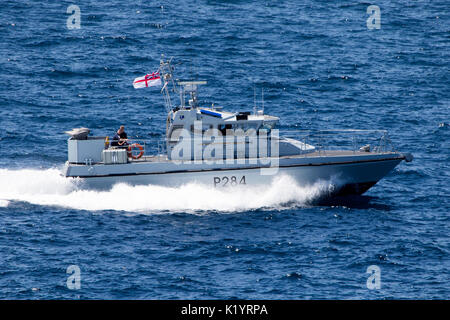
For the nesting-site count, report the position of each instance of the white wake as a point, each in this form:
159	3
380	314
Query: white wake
48	187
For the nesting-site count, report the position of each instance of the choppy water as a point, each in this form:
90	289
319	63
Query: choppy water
320	67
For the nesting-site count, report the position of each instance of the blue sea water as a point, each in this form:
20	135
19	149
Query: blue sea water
320	67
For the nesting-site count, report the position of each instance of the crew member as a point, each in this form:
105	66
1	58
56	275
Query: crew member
120	138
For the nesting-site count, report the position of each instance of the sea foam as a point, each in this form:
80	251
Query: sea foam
48	187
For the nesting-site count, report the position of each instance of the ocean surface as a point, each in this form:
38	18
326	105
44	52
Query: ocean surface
320	66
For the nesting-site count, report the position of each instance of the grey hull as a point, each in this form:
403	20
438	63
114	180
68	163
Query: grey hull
349	172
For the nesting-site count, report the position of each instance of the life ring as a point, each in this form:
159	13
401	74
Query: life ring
135	145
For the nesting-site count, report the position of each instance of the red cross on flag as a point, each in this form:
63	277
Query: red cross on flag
149	80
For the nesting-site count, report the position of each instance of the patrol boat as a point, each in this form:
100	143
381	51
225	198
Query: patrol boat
223	149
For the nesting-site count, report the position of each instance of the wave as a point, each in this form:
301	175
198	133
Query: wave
48	187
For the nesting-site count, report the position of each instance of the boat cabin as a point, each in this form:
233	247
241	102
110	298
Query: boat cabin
210	124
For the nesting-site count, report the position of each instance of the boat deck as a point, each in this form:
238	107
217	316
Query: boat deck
315	154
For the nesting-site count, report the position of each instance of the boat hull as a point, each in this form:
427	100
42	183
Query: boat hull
347	174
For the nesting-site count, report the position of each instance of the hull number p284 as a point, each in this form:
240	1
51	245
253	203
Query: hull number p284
228	181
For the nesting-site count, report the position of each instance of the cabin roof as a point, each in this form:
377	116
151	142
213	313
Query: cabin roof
233	116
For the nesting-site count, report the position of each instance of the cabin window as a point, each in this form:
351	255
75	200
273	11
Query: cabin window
224	127
204	128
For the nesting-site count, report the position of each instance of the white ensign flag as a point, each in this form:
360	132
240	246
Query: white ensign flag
149	80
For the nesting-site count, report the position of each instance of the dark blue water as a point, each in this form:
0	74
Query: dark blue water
320	67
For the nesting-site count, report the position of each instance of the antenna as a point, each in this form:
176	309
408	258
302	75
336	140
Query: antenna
191	88
262	97
254	100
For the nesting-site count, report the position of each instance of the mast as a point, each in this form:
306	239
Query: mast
166	70
191	87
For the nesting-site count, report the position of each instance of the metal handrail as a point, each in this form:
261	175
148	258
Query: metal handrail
378	139
150	146
323	140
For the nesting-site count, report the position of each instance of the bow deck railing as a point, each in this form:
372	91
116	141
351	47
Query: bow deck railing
377	141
